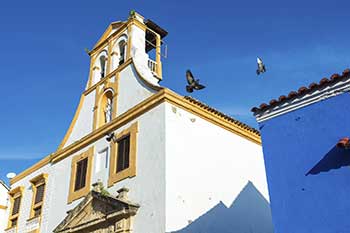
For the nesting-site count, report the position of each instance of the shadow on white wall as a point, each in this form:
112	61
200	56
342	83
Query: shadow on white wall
249	213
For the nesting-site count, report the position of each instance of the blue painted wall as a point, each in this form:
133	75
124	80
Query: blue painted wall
308	177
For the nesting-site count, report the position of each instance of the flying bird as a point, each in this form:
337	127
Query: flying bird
261	66
193	84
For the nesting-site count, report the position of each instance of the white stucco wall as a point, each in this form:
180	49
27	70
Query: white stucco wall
25	207
84	122
205	164
3	202
146	189
131	90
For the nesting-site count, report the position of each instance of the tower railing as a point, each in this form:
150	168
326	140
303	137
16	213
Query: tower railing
152	65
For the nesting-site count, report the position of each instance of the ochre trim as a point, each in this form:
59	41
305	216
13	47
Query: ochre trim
74	195
156	99
37	181
91	71
117	33
108	76
2	207
14	193
31	169
164	95
104	35
181	102
129	42
99	95
72	124
148	84
109	60
114	176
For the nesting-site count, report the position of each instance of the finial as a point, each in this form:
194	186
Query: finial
97	187
87	50
132	14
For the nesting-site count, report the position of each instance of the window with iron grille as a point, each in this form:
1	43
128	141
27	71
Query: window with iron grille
16	205
37	211
39	193
80	175
123	153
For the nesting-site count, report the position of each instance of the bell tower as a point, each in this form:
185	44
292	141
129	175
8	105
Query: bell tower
138	40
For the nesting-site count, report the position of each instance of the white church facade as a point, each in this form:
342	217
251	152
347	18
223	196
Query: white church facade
3	205
141	158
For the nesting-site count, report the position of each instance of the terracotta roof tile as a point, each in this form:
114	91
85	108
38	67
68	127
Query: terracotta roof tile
222	115
273	102
302	91
292	94
335	76
313	85
346	72
324	81
344	143
282	98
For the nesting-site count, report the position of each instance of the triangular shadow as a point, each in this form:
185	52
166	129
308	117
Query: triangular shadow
334	159
250	212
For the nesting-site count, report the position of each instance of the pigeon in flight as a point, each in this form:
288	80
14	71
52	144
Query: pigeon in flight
261	66
192	83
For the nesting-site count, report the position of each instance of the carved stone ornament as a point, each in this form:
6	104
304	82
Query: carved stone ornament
99	213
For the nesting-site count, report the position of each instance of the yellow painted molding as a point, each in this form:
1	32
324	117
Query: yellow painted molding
160	97
14	193
158	56
91	71
42	177
104	42
2	207
31	169
72	124
109	61
148	84
116	123
104	35
74	195
163	95
114	176
37	181
100	97
129	43
181	102
108	76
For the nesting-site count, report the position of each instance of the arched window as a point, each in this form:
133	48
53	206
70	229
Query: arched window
103	65
100	66
122	48
119	51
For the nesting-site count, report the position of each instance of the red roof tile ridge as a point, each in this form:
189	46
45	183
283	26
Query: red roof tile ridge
302	91
221	114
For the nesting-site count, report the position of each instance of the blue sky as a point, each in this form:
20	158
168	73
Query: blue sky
44	67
